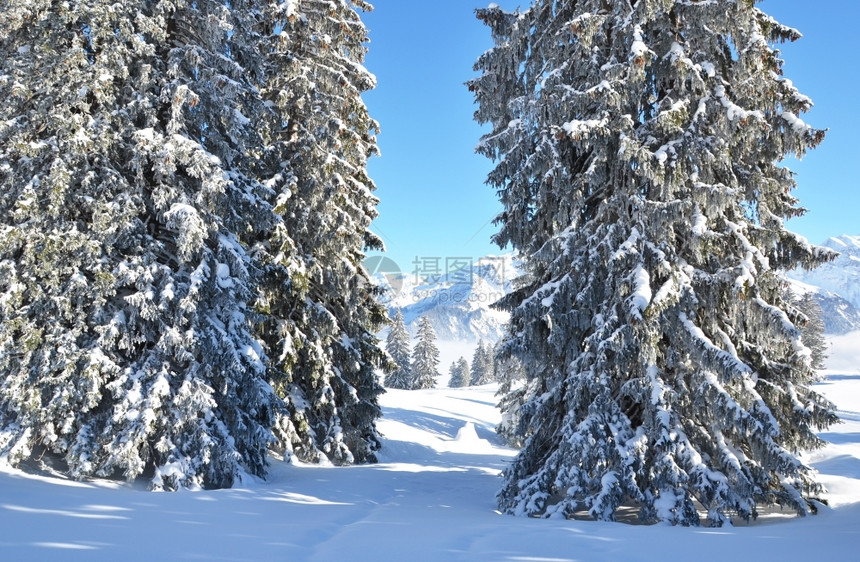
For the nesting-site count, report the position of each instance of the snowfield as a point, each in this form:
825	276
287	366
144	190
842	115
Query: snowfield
430	498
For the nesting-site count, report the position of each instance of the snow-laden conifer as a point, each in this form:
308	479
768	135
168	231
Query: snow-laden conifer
397	346
425	357
184	208
490	355
125	199
460	375
322	311
638	148
482	365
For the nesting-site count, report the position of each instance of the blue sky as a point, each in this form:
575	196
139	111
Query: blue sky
434	202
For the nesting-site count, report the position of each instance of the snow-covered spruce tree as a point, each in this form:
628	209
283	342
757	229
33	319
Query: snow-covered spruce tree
125	198
482	365
490	355
638	147
459	373
812	332
425	357
490	360
465	371
397	346
321	309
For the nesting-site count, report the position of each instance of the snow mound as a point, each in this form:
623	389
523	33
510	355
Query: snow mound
467	434
467	441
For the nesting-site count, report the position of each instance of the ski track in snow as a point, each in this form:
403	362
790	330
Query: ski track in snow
430	498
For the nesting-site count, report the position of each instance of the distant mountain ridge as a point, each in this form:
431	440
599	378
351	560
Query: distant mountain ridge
457	303
835	285
842	275
839	315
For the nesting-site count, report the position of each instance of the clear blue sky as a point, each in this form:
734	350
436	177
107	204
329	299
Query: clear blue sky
434	202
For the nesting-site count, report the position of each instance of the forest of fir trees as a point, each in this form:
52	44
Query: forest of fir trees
184	208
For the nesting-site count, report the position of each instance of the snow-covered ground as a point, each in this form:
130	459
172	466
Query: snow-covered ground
431	498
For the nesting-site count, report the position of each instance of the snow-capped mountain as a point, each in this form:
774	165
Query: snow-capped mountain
457	303
835	285
839	315
842	275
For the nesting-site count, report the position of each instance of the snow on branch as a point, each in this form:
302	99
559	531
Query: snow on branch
716	356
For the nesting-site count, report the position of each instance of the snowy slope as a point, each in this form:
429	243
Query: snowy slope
431	498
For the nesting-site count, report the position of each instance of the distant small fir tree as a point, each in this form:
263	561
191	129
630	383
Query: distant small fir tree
460	374
490	360
425	357
507	369
482	365
397	345
513	388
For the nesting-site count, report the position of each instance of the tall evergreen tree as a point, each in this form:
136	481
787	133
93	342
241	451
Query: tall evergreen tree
125	314
183	205
638	148
460	376
322	310
425	357
397	346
